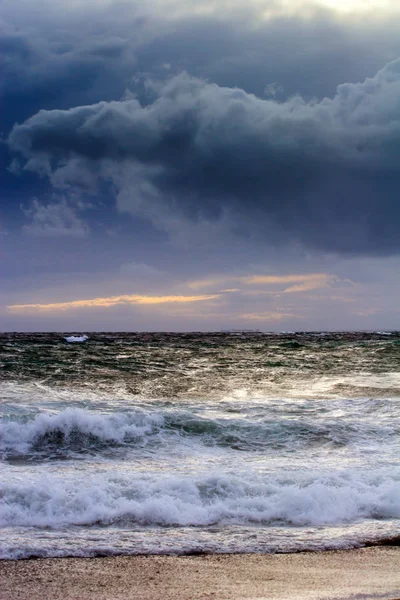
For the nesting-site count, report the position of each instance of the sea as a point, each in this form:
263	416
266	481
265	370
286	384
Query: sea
163	443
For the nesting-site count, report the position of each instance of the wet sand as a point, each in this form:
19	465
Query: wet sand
356	574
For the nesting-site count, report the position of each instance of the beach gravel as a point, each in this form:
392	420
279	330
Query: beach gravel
355	574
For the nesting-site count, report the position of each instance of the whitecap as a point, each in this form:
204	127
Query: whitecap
76	338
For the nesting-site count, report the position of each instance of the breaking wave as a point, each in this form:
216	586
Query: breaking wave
201	501
76	430
159	443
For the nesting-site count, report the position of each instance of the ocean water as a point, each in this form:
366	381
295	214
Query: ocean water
186	443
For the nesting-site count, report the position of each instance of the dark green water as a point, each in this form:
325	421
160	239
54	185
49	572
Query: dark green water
198	442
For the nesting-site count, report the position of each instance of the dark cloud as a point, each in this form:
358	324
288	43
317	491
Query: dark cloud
324	173
61	55
194	177
58	56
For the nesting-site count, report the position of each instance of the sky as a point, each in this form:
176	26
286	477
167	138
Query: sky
180	165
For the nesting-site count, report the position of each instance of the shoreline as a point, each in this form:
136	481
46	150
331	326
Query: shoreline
364	573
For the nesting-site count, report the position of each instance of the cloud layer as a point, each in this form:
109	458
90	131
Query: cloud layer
111	301
171	148
323	173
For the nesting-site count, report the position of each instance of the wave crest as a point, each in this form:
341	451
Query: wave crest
76	429
193	502
79	431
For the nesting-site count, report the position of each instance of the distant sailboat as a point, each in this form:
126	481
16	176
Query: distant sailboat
73	339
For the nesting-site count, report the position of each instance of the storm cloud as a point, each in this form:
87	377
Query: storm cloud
152	146
325	173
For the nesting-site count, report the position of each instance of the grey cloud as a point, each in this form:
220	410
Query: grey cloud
60	55
54	220
57	55
324	173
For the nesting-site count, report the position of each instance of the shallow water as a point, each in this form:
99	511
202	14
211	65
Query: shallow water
152	443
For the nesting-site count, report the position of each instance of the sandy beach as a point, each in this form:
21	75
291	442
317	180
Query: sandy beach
356	574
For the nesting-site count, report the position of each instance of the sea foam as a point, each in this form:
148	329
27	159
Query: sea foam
75	428
250	430
218	499
76	338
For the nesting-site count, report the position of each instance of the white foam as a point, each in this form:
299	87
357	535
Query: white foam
20	437
76	338
199	501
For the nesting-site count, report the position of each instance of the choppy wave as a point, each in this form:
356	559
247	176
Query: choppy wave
177	443
75	430
208	365
172	501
